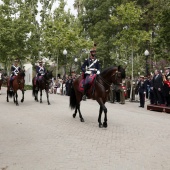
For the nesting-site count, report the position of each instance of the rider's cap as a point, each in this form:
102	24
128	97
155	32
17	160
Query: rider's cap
141	76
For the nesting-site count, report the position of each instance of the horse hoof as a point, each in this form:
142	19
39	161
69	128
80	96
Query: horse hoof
82	120
74	115
104	124
17	104
49	104
100	126
22	100
40	101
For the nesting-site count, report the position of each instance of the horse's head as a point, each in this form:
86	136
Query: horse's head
119	75
113	75
48	76
21	74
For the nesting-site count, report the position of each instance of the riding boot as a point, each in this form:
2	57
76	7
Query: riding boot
85	92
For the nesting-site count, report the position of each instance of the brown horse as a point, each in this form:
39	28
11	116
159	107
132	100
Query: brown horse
99	91
17	84
43	84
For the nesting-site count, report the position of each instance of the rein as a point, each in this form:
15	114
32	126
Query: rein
105	81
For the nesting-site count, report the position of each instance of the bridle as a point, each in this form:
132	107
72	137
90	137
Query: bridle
107	82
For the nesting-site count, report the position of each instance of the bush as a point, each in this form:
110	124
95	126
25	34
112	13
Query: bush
28	87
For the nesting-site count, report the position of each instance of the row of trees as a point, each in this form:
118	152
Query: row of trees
122	30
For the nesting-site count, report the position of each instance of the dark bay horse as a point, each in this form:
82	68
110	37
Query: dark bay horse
44	84
17	84
99	91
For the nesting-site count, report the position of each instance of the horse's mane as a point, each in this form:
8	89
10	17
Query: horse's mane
22	73
120	69
107	69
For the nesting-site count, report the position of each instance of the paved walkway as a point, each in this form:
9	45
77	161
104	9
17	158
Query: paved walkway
36	136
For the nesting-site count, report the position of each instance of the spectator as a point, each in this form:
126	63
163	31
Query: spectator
142	91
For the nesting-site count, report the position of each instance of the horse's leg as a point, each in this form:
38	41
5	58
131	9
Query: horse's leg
7	99
22	100
99	118
36	95
80	115
40	95
105	117
102	108
0	89
16	94
14	97
74	114
47	96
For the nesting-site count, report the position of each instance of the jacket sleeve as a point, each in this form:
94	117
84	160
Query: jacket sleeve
98	65
83	67
37	69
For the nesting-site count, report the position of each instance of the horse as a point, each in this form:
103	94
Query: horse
98	91
17	84
43	84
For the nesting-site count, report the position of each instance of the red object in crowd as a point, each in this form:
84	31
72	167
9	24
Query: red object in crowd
125	91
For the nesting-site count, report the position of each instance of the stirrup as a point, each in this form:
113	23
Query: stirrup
84	97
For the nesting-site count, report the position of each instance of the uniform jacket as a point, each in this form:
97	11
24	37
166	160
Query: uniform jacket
142	86
15	70
40	70
88	62
158	81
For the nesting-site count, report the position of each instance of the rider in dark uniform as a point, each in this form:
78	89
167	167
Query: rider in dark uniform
90	66
15	69
40	70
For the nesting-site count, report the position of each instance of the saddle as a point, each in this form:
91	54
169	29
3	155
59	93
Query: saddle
91	83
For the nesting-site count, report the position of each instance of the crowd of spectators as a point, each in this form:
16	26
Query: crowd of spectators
155	88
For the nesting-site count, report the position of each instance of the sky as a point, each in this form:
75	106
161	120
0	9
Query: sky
69	5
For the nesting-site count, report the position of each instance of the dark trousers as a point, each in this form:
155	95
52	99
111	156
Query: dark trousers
158	97
142	99
151	97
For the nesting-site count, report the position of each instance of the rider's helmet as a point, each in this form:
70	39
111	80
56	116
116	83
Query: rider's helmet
93	52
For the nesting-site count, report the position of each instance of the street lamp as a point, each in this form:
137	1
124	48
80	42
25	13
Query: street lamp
65	53
146	53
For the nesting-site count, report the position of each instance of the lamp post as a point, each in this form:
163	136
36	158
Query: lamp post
65	53
75	60
146	53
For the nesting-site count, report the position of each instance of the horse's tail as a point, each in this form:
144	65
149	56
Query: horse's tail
10	93
73	100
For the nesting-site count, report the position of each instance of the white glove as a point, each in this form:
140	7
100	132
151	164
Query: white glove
98	72
88	72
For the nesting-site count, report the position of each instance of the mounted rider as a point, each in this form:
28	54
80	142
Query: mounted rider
15	69
40	70
90	67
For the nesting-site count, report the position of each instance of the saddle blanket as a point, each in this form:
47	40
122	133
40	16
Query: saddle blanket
90	80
